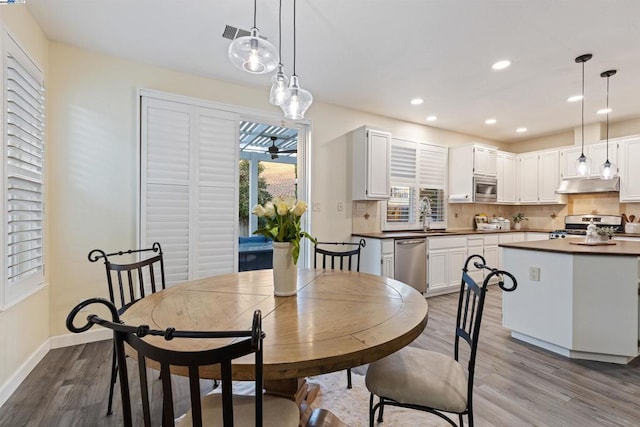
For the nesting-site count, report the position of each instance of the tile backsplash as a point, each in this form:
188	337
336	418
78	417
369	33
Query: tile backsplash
460	216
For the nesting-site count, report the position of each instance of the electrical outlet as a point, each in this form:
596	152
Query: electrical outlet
361	208
534	274
316	206
340	206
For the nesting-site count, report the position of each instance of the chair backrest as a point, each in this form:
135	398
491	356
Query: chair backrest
338	259
470	308
128	282
240	343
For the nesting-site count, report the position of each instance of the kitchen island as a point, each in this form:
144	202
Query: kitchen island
575	300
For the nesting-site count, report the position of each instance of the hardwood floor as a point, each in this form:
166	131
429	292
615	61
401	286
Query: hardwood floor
516	384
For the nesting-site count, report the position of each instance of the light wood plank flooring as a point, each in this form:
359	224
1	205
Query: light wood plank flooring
516	384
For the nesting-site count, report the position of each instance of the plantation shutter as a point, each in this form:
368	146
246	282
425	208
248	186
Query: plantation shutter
23	172
188	187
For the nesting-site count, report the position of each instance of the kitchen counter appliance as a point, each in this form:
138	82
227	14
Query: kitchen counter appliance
576	225
410	263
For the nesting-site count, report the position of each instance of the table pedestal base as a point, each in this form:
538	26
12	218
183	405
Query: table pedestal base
303	393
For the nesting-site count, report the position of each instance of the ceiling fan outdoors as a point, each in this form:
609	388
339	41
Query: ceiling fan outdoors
274	150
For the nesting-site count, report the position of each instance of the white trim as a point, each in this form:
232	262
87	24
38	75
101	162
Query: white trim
68	340
34	289
12	384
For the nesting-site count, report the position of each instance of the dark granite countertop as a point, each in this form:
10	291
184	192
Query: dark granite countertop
437	233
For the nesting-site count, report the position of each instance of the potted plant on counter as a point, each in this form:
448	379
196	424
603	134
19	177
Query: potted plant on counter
605	233
517	220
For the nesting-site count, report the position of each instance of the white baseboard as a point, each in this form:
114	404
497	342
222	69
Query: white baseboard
67	340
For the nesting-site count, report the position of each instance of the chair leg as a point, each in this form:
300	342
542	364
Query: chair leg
381	413
114	374
372	412
460	420
349	378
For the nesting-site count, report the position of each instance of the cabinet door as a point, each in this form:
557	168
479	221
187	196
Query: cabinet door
387	266
438	269
457	257
378	157
548	176
568	157
528	174
629	171
491	158
599	155
506	173
484	161
491	256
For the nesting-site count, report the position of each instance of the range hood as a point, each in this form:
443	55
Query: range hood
588	185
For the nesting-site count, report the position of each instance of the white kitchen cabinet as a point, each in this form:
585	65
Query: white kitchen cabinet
568	157
596	152
504	238
538	177
370	169
531	236
465	161
506	174
629	159
475	246
377	256
484	160
445	259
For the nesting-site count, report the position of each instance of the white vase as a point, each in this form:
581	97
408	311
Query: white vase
285	272
517	226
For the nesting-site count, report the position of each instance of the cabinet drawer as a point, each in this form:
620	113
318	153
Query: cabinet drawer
492	240
473	242
387	246
446	242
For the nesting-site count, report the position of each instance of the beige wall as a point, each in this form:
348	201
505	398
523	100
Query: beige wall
24	326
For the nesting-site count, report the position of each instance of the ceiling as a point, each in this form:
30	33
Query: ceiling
376	55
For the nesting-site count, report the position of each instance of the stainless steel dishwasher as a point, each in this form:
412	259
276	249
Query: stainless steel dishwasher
410	262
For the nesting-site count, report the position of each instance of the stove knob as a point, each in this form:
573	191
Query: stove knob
563	236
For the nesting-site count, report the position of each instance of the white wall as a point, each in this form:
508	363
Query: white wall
24	327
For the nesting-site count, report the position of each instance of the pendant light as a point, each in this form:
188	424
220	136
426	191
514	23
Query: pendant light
296	100
607	170
252	53
583	163
279	81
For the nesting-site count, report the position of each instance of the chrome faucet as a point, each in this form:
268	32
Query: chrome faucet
425	210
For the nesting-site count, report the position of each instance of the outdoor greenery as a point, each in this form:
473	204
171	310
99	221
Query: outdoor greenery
263	195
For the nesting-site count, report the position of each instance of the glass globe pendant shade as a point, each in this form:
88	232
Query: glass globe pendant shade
253	54
296	100
583	165
279	83
607	170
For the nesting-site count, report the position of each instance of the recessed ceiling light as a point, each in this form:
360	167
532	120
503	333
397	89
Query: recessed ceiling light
520	130
604	111
501	65
490	121
432	118
574	98
417	101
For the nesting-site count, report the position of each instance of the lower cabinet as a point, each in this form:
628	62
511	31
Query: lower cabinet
377	256
445	259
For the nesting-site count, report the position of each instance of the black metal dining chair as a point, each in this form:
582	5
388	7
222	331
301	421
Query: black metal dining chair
127	283
334	259
430	381
219	409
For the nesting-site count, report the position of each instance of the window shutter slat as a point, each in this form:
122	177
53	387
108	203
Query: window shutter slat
24	155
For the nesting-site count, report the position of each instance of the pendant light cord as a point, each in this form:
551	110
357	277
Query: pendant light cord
255	12
607	118
582	136
280	32
294	37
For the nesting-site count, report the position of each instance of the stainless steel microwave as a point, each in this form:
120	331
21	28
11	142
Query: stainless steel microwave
485	189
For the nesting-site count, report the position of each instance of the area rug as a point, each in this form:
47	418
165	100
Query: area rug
352	405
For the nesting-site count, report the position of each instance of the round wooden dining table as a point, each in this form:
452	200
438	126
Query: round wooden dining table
337	320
